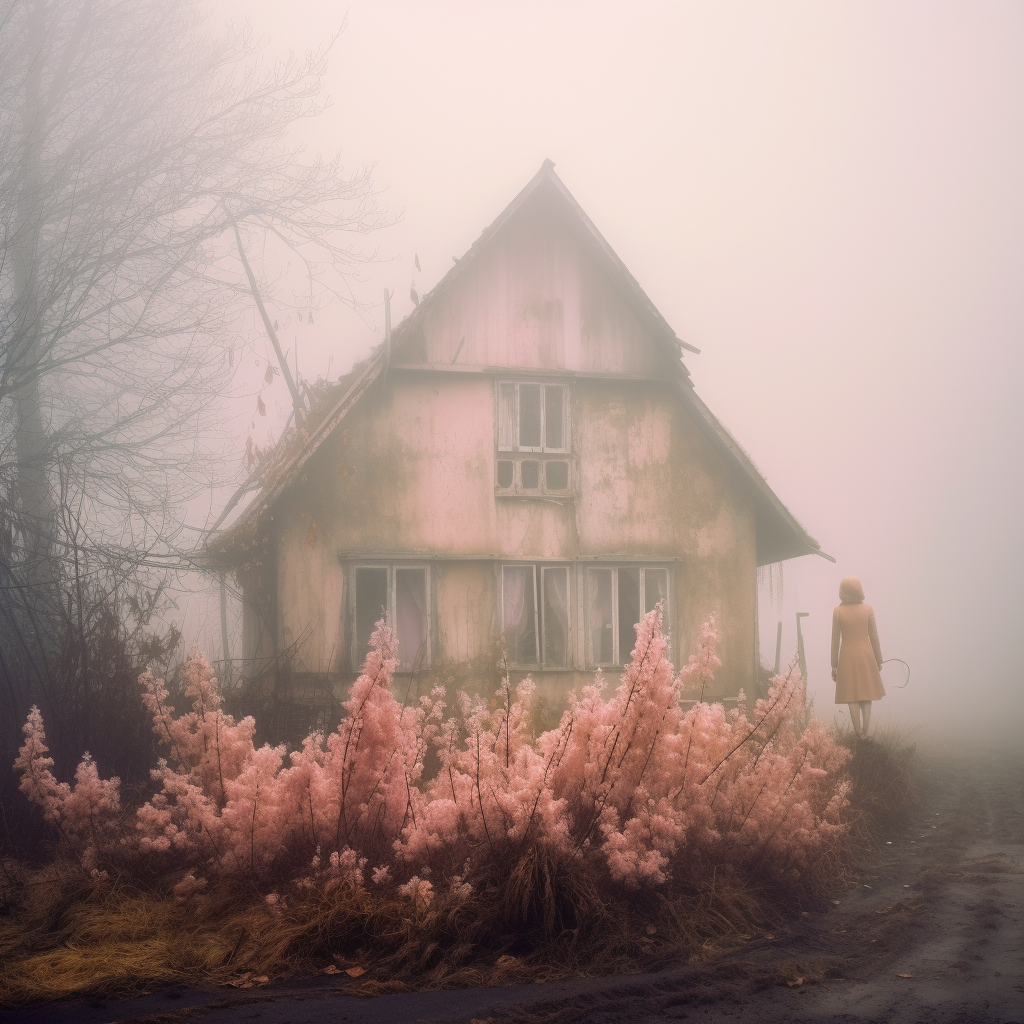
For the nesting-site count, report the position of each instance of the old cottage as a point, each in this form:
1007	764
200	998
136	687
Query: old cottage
524	457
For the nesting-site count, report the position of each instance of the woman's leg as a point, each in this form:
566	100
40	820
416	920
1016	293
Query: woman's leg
865	712
855	716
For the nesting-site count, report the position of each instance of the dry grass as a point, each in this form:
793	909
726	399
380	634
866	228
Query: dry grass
72	936
884	794
532	917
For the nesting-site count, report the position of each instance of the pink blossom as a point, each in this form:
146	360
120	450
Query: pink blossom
640	783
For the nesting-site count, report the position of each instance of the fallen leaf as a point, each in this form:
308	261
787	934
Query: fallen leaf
247	980
332	969
355	972
904	975
796	982
835	903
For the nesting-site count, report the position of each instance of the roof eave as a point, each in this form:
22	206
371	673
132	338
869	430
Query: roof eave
288	473
795	541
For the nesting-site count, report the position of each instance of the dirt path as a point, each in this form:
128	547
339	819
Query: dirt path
933	932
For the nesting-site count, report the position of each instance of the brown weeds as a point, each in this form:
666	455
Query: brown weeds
883	792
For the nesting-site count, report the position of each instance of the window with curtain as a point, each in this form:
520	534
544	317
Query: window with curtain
617	598
535	615
401	594
519	613
532	419
554	626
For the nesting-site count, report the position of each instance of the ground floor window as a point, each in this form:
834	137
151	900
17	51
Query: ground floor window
535	615
401	594
617	598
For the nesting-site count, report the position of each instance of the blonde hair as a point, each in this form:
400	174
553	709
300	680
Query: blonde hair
850	591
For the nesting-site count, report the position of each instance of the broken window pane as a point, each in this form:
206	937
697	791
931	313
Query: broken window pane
519	613
556	476
529	415
507	417
655	589
505	473
629	611
554	417
371	605
411	618
529	471
556	617
599	616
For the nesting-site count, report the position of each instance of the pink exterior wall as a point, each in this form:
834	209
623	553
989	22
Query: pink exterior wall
412	477
410	474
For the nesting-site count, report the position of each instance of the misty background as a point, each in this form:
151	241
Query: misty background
825	199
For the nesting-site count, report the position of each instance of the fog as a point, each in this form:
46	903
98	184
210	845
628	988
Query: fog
825	199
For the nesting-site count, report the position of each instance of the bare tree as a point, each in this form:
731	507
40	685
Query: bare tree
144	172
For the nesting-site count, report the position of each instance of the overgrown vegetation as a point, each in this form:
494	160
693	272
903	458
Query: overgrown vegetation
883	787
631	835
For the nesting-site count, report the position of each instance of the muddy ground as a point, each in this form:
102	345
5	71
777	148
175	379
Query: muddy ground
932	931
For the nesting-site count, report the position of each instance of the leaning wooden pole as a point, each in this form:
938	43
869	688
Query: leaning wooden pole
271	333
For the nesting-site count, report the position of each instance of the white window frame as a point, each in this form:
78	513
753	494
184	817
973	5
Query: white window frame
619	659
536	610
359	656
544	569
543	449
537	572
517	455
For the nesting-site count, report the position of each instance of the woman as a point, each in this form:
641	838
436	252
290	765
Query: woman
856	655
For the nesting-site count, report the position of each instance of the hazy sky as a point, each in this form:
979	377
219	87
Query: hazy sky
825	198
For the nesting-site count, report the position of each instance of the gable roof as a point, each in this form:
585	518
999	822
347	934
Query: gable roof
779	535
545	181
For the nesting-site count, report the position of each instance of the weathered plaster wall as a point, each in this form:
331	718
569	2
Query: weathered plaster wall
310	591
466	608
657	489
411	476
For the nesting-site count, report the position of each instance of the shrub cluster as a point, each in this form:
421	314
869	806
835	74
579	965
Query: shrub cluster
635	785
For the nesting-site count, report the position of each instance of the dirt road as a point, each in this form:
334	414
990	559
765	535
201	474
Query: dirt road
932	932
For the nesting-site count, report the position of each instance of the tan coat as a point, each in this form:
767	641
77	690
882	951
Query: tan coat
856	654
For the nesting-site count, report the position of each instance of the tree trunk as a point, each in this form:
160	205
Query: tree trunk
32	489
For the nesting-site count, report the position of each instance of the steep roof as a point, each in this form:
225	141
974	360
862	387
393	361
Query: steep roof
546	182
779	535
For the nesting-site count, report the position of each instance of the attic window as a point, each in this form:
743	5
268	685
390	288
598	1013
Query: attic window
532	419
401	595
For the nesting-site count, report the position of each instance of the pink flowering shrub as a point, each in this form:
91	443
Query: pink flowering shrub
642	785
87	813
